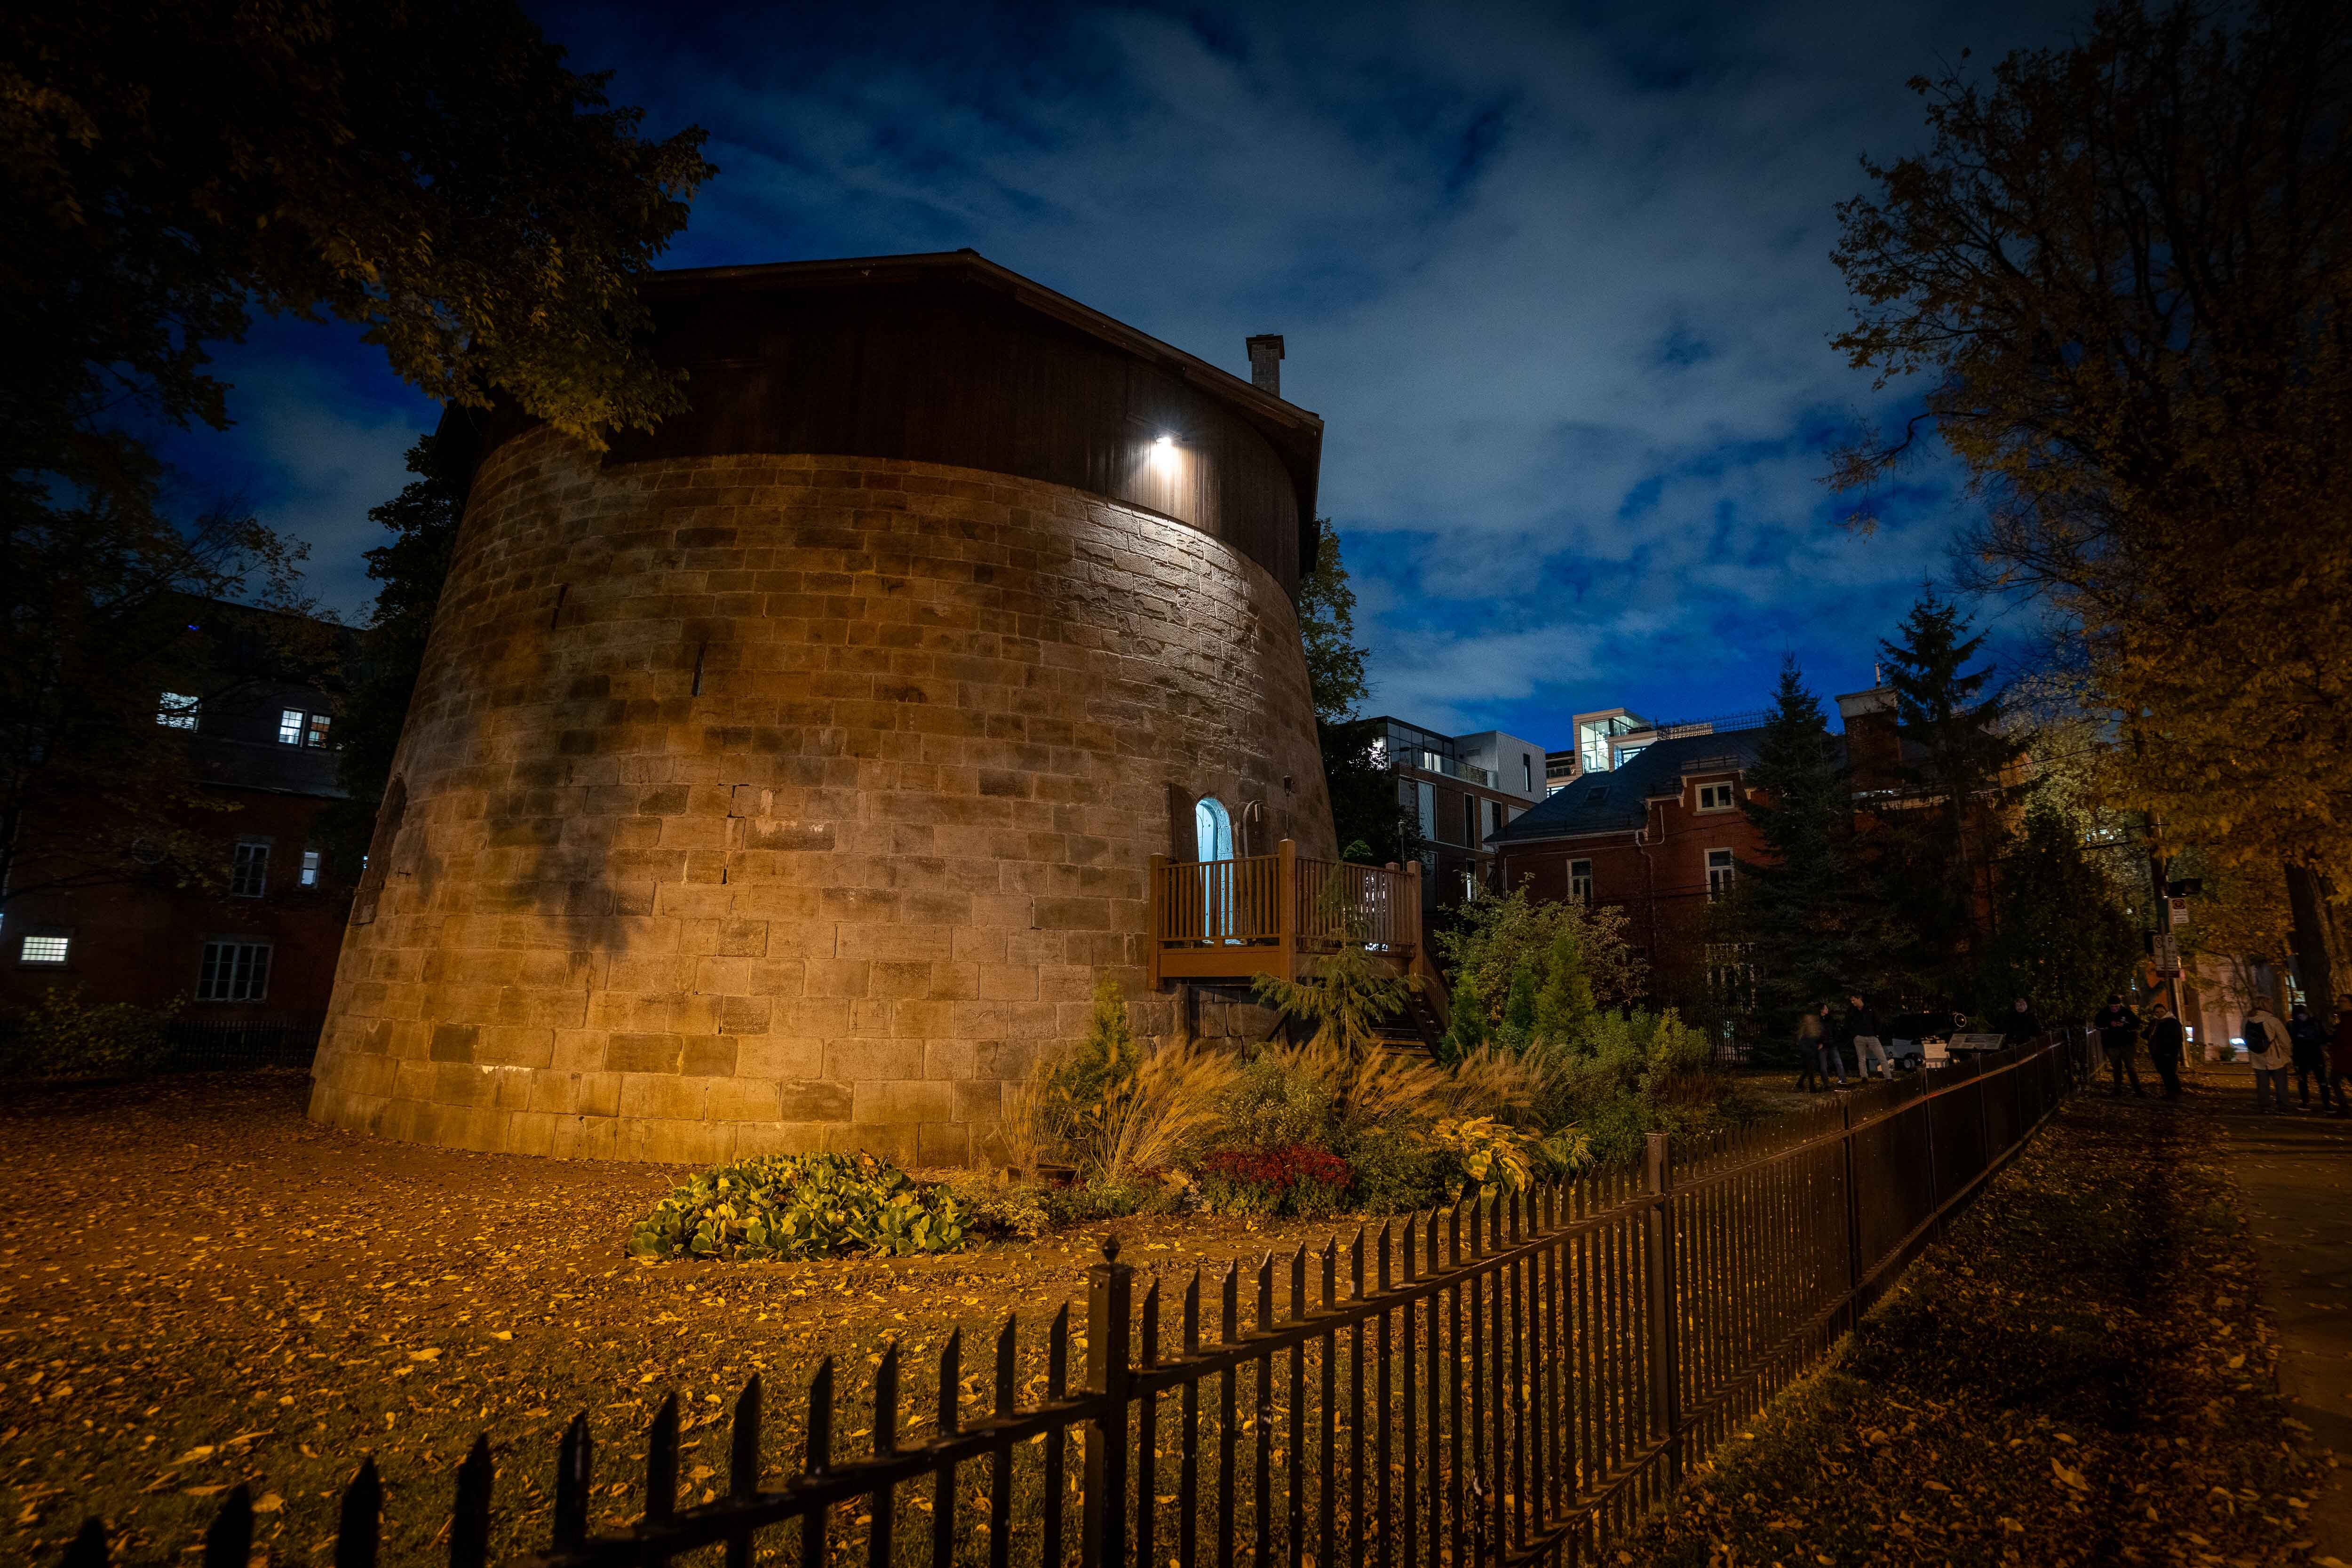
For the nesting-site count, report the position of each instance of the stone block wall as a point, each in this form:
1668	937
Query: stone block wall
791	803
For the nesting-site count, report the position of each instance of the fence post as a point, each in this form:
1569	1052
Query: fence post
1102	1536
1853	1221
1665	1382
1285	905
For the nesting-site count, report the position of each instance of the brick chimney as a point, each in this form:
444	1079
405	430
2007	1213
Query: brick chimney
1266	363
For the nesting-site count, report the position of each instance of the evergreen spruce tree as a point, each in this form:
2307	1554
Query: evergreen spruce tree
1804	912
1563	1004
1935	847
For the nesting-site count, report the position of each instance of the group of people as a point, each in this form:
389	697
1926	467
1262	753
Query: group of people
2274	1049
1823	1042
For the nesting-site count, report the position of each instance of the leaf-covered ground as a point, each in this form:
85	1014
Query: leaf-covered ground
198	1289
2079	1373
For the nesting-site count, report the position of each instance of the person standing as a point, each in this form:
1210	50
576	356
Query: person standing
2118	1028
1812	1071
2307	1043
2165	1047
2024	1028
2339	1053
2267	1048
1862	1028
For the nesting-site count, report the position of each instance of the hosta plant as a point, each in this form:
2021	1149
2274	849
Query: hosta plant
801	1205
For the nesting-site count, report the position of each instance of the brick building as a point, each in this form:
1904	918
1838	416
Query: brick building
1659	835
1456	792
261	947
786	778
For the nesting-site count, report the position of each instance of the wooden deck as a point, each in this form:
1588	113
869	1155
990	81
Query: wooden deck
1228	921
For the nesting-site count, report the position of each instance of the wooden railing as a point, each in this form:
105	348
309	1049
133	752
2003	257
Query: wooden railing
1231	920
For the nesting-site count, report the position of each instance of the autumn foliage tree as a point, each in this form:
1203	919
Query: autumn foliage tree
2122	267
426	171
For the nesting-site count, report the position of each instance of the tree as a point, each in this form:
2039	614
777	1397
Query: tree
425	170
1369	822
2122	263
423	519
2065	943
1937	836
1804	910
1509	954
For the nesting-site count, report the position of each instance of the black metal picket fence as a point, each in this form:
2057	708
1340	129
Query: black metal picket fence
237	1044
1512	1381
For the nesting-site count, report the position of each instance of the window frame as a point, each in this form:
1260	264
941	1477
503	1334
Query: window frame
1728	866
178	711
221	985
1580	894
1729	797
64	959
252	852
291	724
313	868
315	728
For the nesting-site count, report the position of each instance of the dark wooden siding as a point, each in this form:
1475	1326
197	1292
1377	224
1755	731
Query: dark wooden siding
940	369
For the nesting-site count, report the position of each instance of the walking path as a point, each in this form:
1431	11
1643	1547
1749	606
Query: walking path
2296	1173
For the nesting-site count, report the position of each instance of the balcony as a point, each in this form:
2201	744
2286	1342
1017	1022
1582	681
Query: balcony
1230	921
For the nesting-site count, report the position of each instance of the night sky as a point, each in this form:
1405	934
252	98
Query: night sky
1557	281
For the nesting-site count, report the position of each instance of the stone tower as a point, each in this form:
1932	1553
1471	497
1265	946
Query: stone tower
784	780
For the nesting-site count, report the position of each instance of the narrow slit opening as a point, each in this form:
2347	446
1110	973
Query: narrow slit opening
700	652
563	592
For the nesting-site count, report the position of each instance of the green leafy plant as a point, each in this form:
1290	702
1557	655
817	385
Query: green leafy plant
66	1035
1493	1155
801	1205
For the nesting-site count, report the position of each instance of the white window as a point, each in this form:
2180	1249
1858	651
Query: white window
1527	765
249	873
176	711
316	734
44	950
1715	797
237	969
1469	886
1721	868
289	726
311	863
1579	881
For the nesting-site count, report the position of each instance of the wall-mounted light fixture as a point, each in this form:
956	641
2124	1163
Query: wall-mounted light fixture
1164	456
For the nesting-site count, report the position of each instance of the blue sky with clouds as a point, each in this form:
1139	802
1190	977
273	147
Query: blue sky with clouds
1557	279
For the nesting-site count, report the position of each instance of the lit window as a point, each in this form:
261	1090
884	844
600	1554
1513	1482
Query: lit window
311	861
44	950
1579	881
1720	870
249	874
290	726
1715	797
235	971
176	711
316	734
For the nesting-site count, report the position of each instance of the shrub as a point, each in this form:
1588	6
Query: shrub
1290	1180
993	1205
63	1036
801	1205
1398	1172
1494	1156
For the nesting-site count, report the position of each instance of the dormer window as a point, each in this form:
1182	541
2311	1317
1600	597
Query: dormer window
1715	797
299	727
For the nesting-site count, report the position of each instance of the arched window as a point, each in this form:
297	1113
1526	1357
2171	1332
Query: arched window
1212	834
1212	828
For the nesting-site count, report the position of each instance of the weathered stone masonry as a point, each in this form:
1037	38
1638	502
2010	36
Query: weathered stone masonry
842	896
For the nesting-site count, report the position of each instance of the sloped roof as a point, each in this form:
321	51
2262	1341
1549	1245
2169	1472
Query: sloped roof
1615	802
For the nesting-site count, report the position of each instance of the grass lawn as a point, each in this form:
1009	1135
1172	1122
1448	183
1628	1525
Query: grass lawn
199	1287
2077	1374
